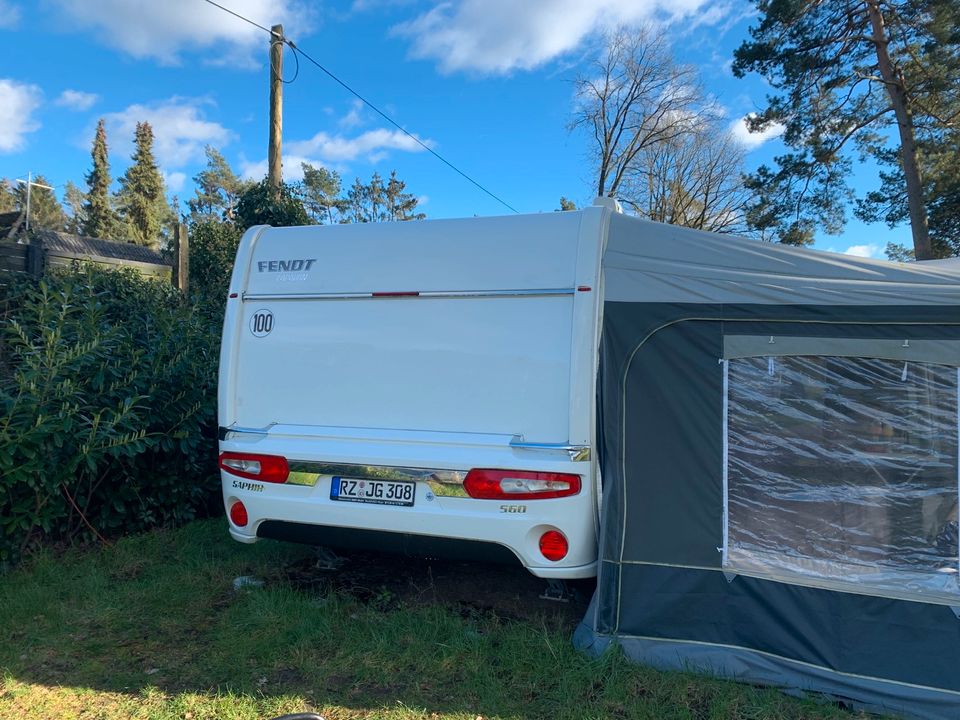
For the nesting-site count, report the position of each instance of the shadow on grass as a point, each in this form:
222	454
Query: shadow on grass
153	627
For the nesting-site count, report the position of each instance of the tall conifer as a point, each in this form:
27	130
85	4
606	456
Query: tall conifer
100	220
141	198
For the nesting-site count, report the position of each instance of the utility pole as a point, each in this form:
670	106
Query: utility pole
274	161
30	183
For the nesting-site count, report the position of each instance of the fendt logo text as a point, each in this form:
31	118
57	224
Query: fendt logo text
285	265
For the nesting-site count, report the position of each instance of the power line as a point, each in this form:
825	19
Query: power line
267	30
298	51
296	73
402	129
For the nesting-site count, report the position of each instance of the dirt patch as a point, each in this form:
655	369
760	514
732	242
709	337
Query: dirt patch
474	590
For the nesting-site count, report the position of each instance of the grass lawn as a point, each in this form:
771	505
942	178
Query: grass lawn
152	628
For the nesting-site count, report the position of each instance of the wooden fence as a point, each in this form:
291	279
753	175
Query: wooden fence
14	257
47	250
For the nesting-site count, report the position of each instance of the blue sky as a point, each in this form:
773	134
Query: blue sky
486	83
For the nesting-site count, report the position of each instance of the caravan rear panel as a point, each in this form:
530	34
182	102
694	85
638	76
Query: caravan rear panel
394	359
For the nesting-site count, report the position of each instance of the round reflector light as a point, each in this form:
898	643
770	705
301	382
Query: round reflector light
553	545
238	515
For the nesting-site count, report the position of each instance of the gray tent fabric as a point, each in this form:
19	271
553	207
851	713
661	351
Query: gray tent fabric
650	262
862	386
953	262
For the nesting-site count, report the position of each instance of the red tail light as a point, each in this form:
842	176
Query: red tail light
519	485
238	514
553	545
266	468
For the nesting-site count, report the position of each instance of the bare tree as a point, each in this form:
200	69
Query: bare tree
637	97
694	180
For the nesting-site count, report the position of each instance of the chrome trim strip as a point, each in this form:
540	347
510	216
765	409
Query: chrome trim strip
250	431
546	292
577	453
497	293
443	483
379	435
304	296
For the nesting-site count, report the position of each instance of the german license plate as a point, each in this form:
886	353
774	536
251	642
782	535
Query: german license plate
378	492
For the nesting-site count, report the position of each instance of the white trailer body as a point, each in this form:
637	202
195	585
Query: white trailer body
426	387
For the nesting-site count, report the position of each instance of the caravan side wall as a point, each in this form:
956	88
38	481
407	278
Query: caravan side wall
432	347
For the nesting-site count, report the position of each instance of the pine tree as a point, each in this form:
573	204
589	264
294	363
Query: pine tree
141	198
218	189
933	67
872	76
75	200
376	202
100	220
400	205
46	213
321	193
8	201
357	210
377	199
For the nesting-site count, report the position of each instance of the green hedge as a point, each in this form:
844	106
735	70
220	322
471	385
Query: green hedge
213	247
107	407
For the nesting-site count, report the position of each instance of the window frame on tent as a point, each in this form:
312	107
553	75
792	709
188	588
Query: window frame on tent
797	565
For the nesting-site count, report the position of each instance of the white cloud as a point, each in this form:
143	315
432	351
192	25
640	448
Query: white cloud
752	140
369	145
292	168
714	14
379	5
18	101
258	170
9	15
324	149
353	116
865	251
179	128
161	30
497	36
77	100
174	181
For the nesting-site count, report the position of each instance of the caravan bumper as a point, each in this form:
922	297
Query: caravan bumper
435	526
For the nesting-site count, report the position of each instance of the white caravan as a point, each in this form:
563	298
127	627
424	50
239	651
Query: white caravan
424	387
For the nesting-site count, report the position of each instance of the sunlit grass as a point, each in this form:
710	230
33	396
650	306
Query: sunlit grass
152	628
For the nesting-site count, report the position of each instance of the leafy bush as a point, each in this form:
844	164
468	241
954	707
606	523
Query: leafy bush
107	407
213	247
263	204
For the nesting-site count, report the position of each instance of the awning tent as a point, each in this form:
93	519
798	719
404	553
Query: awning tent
779	454
953	262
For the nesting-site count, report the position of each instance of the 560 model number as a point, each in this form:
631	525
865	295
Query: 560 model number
513	508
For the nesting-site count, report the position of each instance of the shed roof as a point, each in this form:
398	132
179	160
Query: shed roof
77	245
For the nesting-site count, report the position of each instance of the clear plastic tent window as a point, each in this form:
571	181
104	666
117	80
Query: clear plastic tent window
843	471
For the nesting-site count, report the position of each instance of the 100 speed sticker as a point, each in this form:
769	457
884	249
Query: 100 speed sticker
261	323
